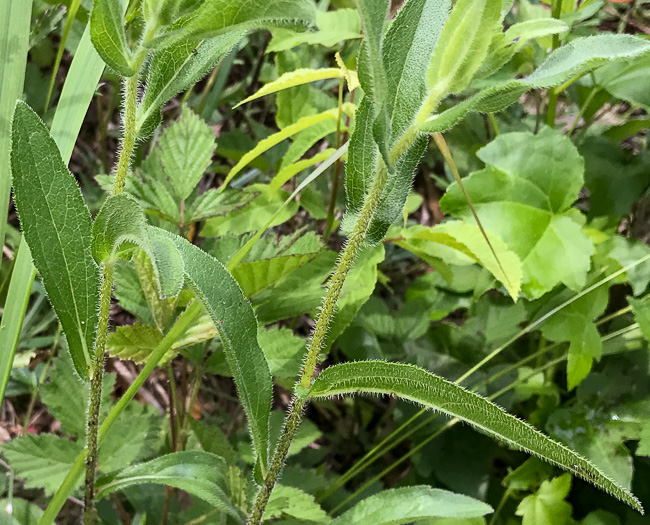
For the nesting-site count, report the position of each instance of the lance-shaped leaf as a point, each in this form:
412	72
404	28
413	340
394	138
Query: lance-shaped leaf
434	392
121	220
409	43
216	17
174	70
199	473
571	60
108	36
295	78
235	321
372	73
57	228
409	504
186	152
463	45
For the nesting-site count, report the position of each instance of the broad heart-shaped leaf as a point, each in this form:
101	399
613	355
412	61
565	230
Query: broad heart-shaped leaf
57	228
547	505
215	17
294	503
576	58
173	70
463	44
199	473
121	220
533	189
418	385
108	36
464	240
409	504
409	43
235	321
42	460
186	151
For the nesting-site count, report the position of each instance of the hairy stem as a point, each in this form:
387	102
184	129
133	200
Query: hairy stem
292	423
97	374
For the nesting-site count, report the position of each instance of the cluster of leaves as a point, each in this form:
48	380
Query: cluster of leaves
525	260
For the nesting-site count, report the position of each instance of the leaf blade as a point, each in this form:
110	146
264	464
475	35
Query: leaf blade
427	389
108	36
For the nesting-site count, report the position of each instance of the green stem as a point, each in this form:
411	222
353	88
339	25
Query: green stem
594	91
73	476
97	374
352	248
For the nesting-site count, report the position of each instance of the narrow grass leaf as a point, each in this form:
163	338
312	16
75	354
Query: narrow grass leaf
108	36
574	59
57	227
434	392
235	321
409	504
291	79
199	473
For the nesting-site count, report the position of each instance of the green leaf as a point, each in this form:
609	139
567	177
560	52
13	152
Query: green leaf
213	440
215	17
372	73
547	505
409	43
333	27
576	58
433	244
17	511
641	311
186	152
534	188
235	321
162	310
292	502
121	220
463	45
199	473
283	351
275	139
213	203
137	341
408	504
416	384
43	460
625	80
57	228
174	70
128	291
294	78
108	36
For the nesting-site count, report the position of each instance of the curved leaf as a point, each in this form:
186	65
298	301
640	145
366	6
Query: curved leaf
573	59
108	36
409	504
434	392
235	321
57	228
199	473
121	220
216	17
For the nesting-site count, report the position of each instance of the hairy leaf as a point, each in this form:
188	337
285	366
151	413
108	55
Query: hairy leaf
57	228
409	504
415	384
186	151
534	188
213	203
409	43
463	45
215	17
333	27
235	321
199	473
108	36
175	69
293	502
576	58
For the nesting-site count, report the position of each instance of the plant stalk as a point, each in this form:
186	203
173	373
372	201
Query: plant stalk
352	248
97	374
